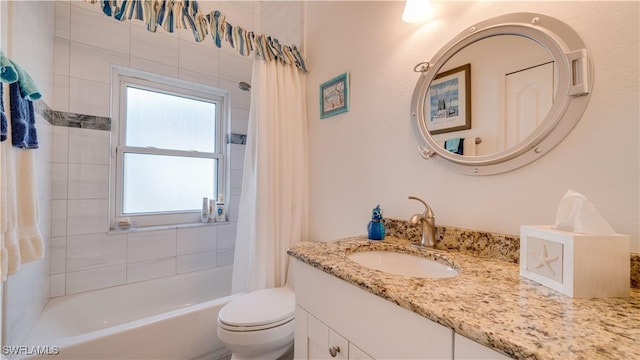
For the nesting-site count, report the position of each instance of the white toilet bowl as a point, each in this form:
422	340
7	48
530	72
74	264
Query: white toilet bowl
259	325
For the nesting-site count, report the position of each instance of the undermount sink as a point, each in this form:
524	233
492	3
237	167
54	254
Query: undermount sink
403	264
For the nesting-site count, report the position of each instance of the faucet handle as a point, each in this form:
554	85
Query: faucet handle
428	212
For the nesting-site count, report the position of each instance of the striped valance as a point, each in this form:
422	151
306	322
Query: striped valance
185	14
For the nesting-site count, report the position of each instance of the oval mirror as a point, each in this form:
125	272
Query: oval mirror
501	94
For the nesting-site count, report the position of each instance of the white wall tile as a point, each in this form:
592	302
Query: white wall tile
89	146
63	16
239	99
57	285
94	63
233	208
89	97
93	28
200	261
151	269
197	239
95	251
240	119
227	236
88	181
199	58
200	78
159	46
87	216
58	218
147	245
60	150
236	67
236	161
61	56
225	257
59	180
58	264
86	280
60	93
235	187
154	67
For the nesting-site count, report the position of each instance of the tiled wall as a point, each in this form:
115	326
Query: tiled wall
30	44
84	254
73	160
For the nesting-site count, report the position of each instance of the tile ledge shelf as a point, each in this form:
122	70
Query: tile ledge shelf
73	120
480	243
134	229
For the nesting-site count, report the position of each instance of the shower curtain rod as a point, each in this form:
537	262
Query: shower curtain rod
186	14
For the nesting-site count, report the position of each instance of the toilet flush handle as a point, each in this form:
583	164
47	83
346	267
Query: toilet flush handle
334	350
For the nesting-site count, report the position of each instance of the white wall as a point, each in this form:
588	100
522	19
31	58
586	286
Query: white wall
368	156
87	43
30	44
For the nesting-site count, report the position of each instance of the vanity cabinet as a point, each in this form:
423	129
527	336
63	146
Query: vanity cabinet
333	315
331	312
466	349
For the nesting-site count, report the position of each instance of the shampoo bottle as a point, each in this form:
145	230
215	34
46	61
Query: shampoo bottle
220	213
204	215
212	210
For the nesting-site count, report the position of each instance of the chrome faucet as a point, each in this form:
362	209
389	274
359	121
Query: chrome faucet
428	222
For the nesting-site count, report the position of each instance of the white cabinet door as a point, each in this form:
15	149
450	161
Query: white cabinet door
324	343
338	346
355	353
317	339
465	349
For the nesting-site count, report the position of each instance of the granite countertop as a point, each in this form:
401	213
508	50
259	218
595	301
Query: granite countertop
490	303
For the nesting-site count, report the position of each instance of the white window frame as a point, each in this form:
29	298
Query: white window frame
123	77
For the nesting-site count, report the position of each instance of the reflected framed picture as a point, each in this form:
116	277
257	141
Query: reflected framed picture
334	96
449	101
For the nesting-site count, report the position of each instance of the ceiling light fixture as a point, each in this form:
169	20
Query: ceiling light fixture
416	11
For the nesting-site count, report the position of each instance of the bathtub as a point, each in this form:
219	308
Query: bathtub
167	318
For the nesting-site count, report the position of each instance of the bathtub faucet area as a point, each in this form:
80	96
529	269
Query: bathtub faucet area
428	223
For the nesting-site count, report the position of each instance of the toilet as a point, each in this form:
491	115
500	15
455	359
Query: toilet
259	325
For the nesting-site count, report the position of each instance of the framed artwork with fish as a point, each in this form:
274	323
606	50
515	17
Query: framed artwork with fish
334	96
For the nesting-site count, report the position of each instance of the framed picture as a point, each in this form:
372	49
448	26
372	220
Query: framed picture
334	96
448	105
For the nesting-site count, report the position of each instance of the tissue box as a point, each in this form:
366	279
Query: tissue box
575	264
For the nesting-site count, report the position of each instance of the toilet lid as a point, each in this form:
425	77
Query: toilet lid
258	308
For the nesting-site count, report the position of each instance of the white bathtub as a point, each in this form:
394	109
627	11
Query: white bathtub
167	318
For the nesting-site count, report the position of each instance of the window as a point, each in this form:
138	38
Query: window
169	152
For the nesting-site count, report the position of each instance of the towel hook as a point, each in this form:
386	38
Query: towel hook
422	67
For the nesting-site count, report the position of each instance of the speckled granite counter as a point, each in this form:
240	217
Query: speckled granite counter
491	304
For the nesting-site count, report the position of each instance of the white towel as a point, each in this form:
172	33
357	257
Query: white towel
20	239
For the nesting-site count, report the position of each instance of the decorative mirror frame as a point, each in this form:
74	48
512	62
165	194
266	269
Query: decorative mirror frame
575	79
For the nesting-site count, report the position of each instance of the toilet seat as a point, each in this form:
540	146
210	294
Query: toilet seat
258	310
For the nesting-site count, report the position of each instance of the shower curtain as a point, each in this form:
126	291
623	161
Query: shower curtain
273	211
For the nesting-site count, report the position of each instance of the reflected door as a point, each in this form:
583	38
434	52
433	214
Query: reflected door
528	98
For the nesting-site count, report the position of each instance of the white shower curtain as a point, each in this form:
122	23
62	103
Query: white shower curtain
273	206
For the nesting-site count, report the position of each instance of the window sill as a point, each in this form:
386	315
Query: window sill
165	227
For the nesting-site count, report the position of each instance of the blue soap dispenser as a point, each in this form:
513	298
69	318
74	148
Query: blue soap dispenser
376	227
